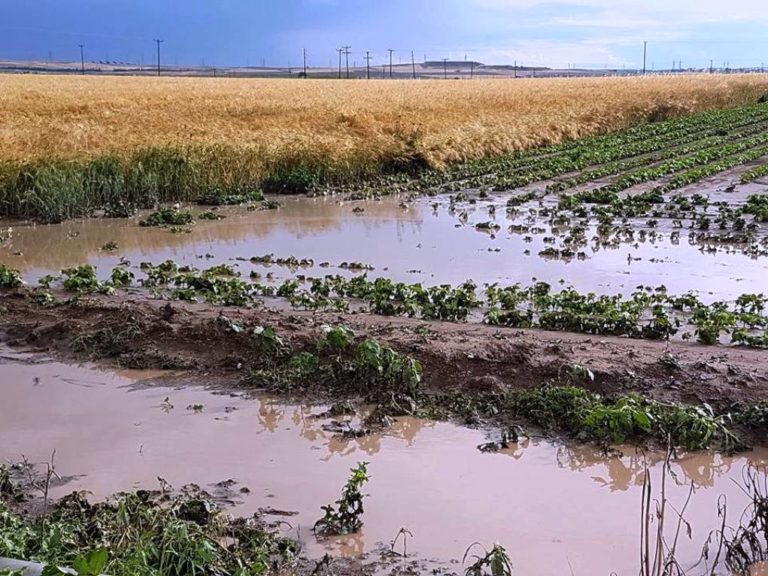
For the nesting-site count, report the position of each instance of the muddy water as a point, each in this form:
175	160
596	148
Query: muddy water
415	243
554	507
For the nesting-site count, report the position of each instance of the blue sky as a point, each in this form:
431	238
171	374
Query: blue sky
241	32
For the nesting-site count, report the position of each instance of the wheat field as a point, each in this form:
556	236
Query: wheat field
70	144
70	116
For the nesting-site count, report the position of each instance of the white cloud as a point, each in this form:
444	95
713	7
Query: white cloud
668	12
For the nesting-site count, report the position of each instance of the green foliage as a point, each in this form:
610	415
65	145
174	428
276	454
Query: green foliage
346	516
143	533
9	278
337	338
165	217
589	415
230	197
290	178
82	279
379	367
121	278
627	418
210	215
267	342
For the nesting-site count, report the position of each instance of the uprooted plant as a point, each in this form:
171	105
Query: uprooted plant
144	533
493	562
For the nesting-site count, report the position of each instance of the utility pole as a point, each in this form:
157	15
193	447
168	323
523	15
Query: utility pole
304	53
515	69
711	66
390	61
413	65
645	55
158	55
346	56
340	51
445	68
471	69
367	65
82	59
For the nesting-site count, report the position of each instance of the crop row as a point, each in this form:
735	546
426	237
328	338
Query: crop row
645	160
650	314
514	171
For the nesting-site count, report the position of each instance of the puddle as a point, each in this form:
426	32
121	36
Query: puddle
413	244
554	507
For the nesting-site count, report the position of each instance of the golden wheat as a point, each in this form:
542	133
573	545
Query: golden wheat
68	116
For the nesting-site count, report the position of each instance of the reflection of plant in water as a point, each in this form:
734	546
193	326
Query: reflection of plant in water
748	543
658	556
270	415
346	517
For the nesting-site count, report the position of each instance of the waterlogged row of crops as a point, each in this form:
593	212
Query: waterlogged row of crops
649	313
644	144
613	220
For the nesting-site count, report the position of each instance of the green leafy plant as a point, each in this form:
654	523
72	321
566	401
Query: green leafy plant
346	516
9	278
168	217
82	279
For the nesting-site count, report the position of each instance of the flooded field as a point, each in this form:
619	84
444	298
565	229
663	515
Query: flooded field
551	504
422	241
579	291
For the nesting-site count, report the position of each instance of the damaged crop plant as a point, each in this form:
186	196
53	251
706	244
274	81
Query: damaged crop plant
144	532
648	313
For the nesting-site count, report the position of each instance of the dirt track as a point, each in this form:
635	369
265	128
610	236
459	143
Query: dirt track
133	330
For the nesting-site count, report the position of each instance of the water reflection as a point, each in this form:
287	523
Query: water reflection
273	413
417	244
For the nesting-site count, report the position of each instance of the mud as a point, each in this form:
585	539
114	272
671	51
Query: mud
456	357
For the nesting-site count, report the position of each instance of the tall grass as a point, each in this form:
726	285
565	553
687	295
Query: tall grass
69	145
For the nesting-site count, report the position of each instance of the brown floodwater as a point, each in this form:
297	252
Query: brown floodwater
413	242
555	507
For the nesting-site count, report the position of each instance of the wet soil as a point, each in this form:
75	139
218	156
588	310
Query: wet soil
132	330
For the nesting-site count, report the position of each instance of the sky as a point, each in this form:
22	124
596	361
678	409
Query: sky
559	33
